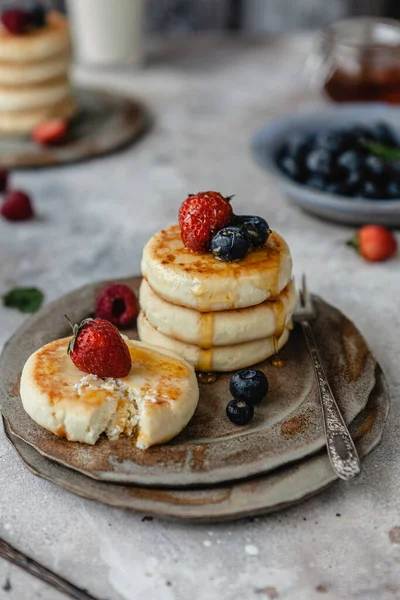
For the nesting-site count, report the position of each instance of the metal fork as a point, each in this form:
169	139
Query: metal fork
341	449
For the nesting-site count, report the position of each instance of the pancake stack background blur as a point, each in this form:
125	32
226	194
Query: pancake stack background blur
34	80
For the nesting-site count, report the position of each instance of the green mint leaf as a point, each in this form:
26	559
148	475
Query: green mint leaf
26	300
384	152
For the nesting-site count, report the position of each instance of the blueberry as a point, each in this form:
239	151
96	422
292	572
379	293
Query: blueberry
383	134
368	189
360	132
329	140
289	165
37	15
393	189
239	412
230	243
353	182
295	145
349	160
317	182
374	166
337	188
249	385
319	161
257	229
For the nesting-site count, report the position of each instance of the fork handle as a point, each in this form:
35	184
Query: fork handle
341	449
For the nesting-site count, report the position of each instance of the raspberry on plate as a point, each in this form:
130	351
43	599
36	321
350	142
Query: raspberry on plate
118	304
17	206
200	216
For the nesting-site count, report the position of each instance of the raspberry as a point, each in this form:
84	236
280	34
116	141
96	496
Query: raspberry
118	304
200	216
15	20
17	206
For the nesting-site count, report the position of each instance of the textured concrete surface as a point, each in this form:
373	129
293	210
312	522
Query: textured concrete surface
93	220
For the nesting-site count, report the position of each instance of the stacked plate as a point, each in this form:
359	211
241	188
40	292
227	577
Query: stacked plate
212	470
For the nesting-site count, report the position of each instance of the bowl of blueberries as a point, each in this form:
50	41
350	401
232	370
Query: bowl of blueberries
340	162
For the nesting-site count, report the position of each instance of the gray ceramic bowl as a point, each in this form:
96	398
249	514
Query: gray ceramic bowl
355	211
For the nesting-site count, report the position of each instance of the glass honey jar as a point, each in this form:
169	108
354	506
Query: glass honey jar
359	60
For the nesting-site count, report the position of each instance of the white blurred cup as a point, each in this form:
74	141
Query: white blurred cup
107	32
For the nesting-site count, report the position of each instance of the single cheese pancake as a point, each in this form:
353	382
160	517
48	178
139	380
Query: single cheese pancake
202	282
152	404
220	328
26	73
220	358
22	122
35	95
37	44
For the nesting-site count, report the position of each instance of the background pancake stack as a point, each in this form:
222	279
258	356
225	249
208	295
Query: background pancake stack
34	82
219	316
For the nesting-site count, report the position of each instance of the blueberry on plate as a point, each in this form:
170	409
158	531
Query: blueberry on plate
239	412
319	162
257	229
230	243
249	385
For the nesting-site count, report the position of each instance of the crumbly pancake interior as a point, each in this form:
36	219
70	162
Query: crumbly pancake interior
81	406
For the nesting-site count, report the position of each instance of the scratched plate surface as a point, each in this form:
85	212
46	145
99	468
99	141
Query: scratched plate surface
104	122
287	425
266	493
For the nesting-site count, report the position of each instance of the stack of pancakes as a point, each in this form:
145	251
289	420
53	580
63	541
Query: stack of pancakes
218	316
34	83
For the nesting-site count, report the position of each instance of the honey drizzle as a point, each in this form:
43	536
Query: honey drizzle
206	330
206	378
205	363
277	361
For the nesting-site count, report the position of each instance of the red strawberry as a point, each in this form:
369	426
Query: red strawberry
98	348
17	206
117	303
200	216
374	243
15	20
50	132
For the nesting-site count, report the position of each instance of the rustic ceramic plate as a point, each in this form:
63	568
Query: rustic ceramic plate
287	426
104	123
267	493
